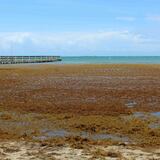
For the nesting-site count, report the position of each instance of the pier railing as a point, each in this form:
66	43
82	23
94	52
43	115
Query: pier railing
28	59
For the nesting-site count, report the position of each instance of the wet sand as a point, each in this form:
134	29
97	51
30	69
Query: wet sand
96	109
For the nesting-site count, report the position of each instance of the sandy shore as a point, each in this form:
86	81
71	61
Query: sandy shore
27	150
80	111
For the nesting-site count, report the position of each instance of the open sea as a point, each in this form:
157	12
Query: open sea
111	60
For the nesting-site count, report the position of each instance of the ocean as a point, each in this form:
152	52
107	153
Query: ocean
111	60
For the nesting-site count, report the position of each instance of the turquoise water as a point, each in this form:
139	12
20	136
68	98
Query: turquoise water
111	60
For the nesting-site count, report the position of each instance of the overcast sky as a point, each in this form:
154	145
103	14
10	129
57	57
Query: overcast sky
80	27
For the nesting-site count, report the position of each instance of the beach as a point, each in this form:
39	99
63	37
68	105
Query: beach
80	111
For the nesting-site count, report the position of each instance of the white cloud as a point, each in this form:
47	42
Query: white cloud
8	39
72	41
126	18
154	18
67	38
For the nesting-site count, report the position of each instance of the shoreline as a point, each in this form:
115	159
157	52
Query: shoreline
99	106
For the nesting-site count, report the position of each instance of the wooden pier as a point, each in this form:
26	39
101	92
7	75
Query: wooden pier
28	59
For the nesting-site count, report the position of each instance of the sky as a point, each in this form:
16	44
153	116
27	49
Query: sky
80	27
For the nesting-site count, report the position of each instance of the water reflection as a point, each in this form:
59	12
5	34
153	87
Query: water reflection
48	134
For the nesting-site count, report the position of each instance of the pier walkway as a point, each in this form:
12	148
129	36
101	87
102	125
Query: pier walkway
28	59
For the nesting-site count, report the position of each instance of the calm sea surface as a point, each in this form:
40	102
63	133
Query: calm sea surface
111	60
